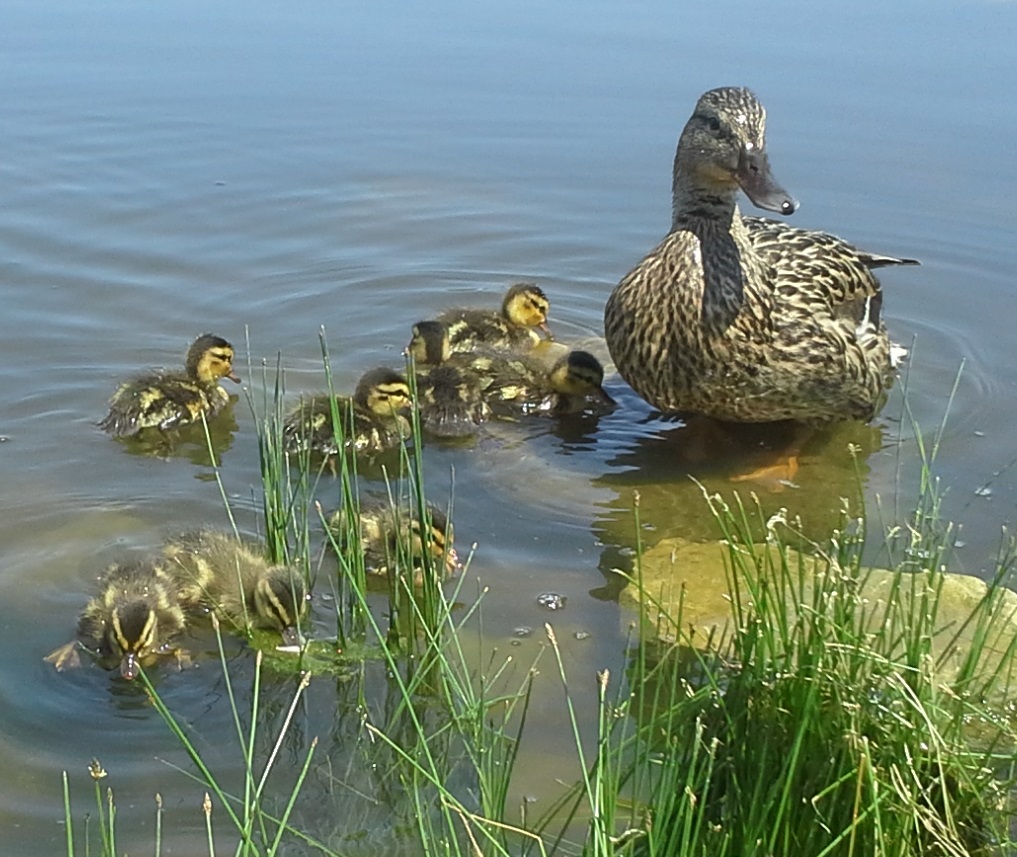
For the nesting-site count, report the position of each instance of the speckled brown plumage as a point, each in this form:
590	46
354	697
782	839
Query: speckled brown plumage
741	318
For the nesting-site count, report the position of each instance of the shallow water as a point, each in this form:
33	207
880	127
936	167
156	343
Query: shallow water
262	171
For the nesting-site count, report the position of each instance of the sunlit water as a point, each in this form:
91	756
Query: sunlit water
264	169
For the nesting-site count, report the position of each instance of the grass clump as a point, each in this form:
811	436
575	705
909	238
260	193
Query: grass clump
840	714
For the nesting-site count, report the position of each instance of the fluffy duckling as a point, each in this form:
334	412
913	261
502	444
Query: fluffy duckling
392	539
450	402
168	399
574	384
371	421
523	312
132	620
217	571
449	396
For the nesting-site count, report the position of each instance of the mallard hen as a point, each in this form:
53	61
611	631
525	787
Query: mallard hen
741	318
169	399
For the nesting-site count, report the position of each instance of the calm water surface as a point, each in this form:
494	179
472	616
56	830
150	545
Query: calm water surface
167	170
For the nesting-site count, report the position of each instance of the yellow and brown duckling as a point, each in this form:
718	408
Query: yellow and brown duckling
217	571
573	385
523	313
131	621
450	403
746	319
169	399
393	540
449	396
371	421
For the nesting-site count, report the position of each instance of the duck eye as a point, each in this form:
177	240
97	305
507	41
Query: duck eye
713	123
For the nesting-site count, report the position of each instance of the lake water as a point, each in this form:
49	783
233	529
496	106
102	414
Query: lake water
176	168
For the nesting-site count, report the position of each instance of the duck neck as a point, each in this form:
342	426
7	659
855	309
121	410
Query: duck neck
694	205
724	252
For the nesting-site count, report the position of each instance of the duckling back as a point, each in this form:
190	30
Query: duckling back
451	402
215	570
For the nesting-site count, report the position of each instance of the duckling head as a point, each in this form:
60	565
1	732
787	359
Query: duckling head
210	358
429	345
280	600
132	633
383	392
579	374
526	305
722	148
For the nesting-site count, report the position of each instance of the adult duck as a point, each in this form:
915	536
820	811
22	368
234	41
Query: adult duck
746	319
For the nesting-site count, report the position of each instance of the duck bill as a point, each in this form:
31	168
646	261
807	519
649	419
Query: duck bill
603	397
547	331
291	636
234	377
129	666
755	178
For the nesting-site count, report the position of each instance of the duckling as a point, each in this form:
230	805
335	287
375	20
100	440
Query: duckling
450	403
369	422
168	399
392	538
449	396
573	384
132	620
523	311
216	571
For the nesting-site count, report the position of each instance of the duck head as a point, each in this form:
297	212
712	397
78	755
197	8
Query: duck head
723	148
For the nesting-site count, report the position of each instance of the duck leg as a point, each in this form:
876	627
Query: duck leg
780	466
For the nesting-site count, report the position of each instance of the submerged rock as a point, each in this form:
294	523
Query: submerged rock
686	597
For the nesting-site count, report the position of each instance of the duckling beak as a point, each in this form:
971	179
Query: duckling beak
129	666
757	181
452	564
234	377
547	331
290	636
603	396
